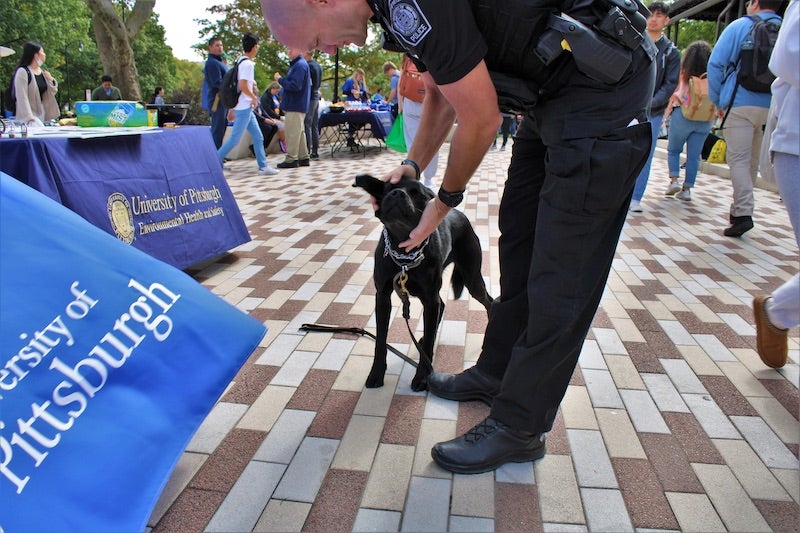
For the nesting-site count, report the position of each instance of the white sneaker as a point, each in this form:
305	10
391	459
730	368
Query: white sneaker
672	189
267	171
636	206
685	195
428	184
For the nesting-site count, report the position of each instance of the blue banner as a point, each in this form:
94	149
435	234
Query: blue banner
110	361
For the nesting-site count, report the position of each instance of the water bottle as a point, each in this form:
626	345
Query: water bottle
120	114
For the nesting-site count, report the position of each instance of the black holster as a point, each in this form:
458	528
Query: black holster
602	52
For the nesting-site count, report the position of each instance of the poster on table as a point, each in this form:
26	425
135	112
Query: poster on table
110	362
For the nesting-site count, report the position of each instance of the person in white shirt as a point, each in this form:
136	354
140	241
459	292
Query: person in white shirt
242	115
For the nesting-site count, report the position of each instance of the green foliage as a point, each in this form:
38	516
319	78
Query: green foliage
690	31
60	26
154	61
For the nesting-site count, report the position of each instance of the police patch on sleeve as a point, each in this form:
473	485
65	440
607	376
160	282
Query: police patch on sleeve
408	21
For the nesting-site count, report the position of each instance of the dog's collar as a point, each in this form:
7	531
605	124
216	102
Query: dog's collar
405	261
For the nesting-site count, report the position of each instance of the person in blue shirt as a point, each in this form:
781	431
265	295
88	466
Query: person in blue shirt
294	104
354	88
390	70
213	71
744	126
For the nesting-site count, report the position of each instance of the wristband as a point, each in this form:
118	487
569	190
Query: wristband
411	163
451	199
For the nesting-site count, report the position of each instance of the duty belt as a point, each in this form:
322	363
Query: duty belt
602	52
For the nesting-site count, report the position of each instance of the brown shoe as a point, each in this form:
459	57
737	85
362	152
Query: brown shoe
771	341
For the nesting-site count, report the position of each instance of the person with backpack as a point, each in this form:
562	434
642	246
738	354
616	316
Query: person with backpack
33	89
690	113
241	114
668	64
737	58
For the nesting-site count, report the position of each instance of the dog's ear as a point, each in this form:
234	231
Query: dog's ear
372	185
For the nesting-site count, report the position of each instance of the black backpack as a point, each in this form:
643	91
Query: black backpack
9	97
229	87
754	73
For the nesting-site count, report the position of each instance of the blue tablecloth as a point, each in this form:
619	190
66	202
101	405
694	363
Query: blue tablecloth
164	193
379	121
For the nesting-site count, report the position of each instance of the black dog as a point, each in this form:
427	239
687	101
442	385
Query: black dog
418	272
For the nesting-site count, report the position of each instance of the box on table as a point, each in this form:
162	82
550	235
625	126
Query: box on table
114	113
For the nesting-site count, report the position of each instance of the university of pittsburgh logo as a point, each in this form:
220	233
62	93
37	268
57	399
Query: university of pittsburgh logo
121	217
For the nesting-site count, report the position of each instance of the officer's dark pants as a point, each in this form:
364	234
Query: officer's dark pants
574	164
219	122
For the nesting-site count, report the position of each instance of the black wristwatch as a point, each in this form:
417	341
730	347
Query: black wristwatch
411	163
451	199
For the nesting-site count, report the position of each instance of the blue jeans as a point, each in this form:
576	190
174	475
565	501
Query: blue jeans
693	134
644	175
245	120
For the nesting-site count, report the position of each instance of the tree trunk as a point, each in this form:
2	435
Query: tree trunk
115	37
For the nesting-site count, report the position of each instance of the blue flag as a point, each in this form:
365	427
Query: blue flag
110	361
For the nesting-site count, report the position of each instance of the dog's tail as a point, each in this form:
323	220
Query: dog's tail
457	282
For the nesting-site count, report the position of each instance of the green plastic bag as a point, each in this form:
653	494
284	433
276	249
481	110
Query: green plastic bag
396	140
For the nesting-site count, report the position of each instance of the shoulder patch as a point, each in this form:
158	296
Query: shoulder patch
408	21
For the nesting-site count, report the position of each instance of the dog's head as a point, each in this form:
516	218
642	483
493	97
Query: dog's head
400	205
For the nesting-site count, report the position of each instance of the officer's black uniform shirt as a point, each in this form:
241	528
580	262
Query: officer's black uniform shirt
449	38
441	35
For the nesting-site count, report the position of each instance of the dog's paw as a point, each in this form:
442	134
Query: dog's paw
374	380
419	384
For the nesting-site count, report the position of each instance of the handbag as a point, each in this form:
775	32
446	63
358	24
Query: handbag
717	152
411	85
713	148
396	140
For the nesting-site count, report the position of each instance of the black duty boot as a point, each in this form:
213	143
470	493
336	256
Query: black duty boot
471	384
488	446
739	225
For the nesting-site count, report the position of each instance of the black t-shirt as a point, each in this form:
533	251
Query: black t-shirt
440	35
41	83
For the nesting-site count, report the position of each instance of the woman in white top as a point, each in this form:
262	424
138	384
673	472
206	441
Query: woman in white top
34	88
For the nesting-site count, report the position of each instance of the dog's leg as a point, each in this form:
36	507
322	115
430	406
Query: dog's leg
383	310
432	312
468	259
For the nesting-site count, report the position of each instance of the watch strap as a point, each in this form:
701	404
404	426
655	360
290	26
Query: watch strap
451	199
413	164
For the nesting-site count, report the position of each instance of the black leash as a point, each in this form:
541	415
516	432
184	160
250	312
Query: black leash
357	331
405	262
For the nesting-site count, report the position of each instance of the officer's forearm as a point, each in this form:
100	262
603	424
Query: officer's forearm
470	142
434	127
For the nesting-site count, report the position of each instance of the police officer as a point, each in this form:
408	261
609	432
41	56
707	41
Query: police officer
583	79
